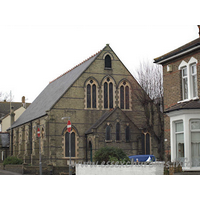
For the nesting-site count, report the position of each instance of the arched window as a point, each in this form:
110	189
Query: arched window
108	136
124	95
105	95
88	96
111	95
73	142
127	134
108	93
117	130
94	95
127	97
91	93
108	62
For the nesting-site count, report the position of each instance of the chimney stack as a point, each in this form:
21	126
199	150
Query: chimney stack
199	29
23	99
12	115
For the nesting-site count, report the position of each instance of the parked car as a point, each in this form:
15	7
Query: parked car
143	158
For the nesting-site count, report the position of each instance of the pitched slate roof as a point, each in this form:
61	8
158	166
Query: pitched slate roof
104	117
53	92
5	107
101	120
193	104
193	44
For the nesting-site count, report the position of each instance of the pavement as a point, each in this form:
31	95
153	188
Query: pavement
4	172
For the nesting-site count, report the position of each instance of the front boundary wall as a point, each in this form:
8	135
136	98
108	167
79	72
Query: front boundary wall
34	170
156	168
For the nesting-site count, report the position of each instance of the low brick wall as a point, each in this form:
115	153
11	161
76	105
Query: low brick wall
14	168
1	166
34	170
47	170
156	168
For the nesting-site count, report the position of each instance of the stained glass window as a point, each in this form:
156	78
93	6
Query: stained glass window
122	97
108	133
117	130
105	95
111	95
88	96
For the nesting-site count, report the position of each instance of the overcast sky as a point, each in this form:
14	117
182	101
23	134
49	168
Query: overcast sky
41	40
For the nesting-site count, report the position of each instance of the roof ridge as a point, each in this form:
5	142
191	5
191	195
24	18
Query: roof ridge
76	66
180	48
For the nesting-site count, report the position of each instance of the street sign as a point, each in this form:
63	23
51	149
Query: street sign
38	132
69	126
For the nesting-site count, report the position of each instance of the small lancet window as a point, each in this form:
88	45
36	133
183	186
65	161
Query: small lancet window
108	133
108	62
117	130
127	134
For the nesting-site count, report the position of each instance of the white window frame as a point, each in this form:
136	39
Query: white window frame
175	138
194	75
184	78
193	131
184	65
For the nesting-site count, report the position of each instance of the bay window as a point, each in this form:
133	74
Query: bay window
195	142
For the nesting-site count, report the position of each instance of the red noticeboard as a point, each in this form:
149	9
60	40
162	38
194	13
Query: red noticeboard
38	132
69	126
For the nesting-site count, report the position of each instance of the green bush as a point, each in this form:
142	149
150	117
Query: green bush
11	160
111	154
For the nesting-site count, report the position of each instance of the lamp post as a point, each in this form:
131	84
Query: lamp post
40	157
69	131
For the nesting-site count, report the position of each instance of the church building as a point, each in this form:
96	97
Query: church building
98	96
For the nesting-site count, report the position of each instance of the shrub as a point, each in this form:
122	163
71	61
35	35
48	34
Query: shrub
11	160
111	154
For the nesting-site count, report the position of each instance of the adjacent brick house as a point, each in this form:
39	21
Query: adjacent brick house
181	80
99	97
